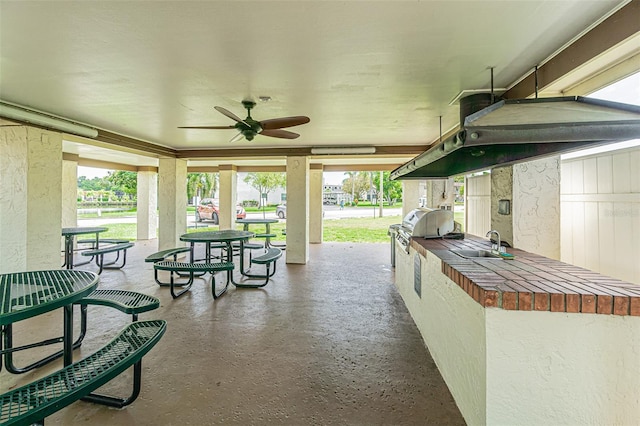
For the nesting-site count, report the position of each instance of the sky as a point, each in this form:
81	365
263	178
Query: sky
626	91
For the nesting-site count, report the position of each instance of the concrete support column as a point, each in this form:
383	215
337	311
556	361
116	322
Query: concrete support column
532	190
228	196
69	191
410	195
536	206
30	199
172	202
297	210
502	190
147	203
440	193
315	204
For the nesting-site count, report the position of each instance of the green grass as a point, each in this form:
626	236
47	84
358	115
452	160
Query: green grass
353	230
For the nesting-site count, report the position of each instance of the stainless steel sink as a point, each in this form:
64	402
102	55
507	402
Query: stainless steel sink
474	254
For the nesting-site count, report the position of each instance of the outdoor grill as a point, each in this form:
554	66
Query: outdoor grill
424	223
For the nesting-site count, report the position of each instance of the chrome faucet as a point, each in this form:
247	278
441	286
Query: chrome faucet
495	247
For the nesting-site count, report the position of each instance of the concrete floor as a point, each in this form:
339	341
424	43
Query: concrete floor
330	342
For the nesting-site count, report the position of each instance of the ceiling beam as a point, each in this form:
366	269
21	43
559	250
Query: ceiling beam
620	26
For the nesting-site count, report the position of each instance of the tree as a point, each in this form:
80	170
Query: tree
124	181
266	182
202	185
358	184
392	188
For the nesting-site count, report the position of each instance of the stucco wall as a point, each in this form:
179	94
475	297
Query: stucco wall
524	367
452	326
536	207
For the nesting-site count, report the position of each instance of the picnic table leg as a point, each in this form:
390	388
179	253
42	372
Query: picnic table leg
67	339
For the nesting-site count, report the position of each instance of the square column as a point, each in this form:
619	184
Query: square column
69	190
147	195
315	204
410	195
30	199
172	202
228	195
297	210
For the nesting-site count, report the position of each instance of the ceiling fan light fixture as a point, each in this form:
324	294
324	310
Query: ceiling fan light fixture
342	150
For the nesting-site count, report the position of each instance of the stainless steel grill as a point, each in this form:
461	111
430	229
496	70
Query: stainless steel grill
424	223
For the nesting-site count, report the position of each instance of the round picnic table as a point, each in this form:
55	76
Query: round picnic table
69	235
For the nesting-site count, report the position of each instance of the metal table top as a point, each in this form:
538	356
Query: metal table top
216	236
27	294
83	230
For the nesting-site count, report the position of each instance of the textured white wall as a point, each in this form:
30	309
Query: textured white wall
228	196
297	210
524	367
147	205
502	189
172	202
600	196
411	193
30	199
69	194
315	206
536	207
551	368
453	328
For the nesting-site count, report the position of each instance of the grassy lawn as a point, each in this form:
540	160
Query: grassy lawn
355	230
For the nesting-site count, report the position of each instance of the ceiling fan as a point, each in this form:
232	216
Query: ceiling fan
249	127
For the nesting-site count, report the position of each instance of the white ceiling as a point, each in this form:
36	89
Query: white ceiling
366	73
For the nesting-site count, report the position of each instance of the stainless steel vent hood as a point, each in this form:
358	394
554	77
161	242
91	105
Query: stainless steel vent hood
511	131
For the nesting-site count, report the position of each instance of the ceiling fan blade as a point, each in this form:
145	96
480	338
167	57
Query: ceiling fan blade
207	127
236	137
279	123
276	133
228	113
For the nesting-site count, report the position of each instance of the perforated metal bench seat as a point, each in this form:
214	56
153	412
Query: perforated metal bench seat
103	240
162	255
270	257
35	401
193	268
128	302
101	251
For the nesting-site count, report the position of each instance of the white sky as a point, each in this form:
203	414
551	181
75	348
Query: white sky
626	91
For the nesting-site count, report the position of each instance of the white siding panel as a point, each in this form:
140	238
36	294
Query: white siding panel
566	232
634	179
601	231
577	178
607	240
590	171
605	175
577	221
621	173
592	239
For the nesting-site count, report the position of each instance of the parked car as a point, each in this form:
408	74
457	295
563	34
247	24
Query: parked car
281	210
209	209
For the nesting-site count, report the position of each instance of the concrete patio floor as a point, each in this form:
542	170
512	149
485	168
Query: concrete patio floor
327	343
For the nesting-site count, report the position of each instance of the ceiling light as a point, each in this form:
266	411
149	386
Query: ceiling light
44	120
264	98
338	150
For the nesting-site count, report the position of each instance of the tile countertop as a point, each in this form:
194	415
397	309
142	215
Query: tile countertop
531	282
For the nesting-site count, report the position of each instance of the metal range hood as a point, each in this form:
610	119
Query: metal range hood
512	131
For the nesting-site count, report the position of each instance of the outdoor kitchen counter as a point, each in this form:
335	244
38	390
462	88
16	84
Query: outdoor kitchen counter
528	341
531	282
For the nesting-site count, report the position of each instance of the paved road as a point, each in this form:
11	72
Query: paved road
330	212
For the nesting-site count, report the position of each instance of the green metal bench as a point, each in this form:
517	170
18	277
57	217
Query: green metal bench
35	401
161	256
115	248
129	302
270	257
193	268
